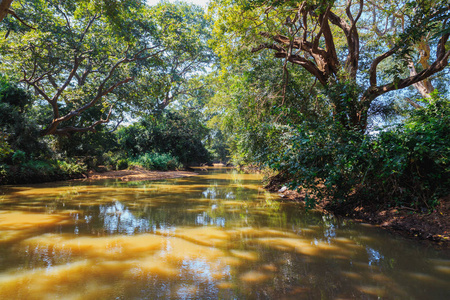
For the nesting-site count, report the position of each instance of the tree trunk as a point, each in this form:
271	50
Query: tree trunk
4	7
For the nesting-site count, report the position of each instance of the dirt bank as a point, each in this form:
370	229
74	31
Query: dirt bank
431	226
139	174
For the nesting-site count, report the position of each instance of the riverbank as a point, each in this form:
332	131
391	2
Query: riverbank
134	174
431	226
138	173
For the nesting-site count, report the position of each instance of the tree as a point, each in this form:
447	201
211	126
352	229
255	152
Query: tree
88	56
76	58
186	56
388	19
333	42
18	129
179	133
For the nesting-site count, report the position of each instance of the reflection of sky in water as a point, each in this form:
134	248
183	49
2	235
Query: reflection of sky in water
214	193
375	256
210	193
205	219
230	195
203	239
118	218
203	274
202	269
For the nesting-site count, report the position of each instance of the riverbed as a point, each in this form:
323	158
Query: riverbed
215	235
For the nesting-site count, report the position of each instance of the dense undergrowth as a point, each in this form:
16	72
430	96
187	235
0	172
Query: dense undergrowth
35	171
403	165
164	141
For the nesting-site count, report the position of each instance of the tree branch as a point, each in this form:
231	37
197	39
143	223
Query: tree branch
437	66
66	131
101	91
376	61
12	13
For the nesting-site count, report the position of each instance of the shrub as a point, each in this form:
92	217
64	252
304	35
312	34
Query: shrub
122	164
39	167
156	161
16	120
3	170
71	167
5	148
406	165
18	156
177	133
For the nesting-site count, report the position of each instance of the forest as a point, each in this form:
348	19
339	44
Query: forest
344	100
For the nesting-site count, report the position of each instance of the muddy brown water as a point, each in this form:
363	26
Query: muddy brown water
218	235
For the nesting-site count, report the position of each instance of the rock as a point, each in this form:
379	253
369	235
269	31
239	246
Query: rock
282	190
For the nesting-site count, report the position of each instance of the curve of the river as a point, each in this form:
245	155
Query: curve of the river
218	235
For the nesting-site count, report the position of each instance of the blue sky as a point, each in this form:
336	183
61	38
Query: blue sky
198	2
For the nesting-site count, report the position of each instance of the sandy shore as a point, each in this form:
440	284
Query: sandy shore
139	174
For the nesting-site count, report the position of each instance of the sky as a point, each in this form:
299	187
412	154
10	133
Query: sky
202	3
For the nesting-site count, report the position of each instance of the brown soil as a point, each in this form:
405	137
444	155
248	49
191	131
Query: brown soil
422	225
139	174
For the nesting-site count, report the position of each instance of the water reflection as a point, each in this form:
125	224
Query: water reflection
217	235
117	218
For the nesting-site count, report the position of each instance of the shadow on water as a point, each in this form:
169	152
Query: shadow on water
216	235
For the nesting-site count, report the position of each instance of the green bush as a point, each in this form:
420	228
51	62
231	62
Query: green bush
122	164
3	170
406	165
71	167
177	133
157	161
34	171
18	156
17	121
5	148
39	167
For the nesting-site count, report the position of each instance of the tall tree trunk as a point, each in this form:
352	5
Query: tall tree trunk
4	7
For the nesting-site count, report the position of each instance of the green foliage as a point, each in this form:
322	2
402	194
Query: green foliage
176	133
406	165
85	57
101	54
122	164
41	170
157	161
5	148
71	167
4	169
86	144
252	113
217	146
13	96
315	131
18	157
18	129
184	34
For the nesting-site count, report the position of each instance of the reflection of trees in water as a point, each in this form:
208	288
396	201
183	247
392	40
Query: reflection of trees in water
158	206
345	260
117	218
205	220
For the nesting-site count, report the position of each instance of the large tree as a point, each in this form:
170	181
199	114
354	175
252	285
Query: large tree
336	43
76	57
83	56
187	56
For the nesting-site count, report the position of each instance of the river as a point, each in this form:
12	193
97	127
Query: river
218	235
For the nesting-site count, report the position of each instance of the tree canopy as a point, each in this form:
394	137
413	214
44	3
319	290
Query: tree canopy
340	44
82	54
